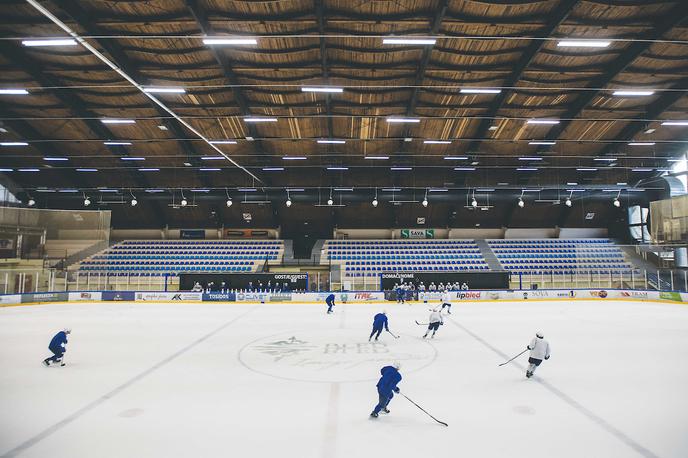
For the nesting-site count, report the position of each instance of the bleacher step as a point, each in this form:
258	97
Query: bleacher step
488	255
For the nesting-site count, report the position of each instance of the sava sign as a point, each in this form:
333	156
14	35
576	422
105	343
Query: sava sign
417	233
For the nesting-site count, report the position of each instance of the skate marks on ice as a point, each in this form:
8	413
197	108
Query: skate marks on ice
564	397
331	355
137	378
130	413
524	410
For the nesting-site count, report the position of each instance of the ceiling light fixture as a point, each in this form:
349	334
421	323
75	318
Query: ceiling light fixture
539	142
118	121
542	121
259	119
322	89
14	144
584	44
164	90
331	141
229	199
624	93
229	41
50	42
675	123
116	143
13	92
402	120
476	90
409	41
437	142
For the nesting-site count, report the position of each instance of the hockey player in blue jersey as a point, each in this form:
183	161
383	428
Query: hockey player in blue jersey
58	345
401	294
386	387
329	300
379	322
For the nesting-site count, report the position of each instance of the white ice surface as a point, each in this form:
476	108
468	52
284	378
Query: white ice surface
184	380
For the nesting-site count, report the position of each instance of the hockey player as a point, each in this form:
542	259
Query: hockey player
197	288
401	293
379	322
434	323
329	300
446	301
58	345
539	350
386	387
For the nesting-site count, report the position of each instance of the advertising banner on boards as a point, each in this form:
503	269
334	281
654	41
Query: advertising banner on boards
118	295
219	297
85	296
163	296
45	297
8	299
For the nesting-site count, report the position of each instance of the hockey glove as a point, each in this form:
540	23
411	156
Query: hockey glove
546	357
396	390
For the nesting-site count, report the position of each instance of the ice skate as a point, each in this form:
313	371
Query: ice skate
373	415
385	410
46	363
529	374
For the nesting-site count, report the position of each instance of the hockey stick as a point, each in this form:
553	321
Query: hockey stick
421	324
396	337
514	357
425	411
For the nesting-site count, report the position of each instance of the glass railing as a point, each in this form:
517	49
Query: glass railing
28	280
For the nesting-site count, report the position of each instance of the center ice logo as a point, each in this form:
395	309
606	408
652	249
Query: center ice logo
338	355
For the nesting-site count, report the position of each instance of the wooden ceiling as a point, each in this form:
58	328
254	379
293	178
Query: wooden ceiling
511	46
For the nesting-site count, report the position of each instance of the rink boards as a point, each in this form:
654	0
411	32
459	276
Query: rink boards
342	297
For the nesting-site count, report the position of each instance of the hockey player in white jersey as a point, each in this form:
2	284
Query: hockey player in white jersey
539	350
446	301
434	323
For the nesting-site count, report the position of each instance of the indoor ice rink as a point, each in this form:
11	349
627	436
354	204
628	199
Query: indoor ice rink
206	207
160	379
